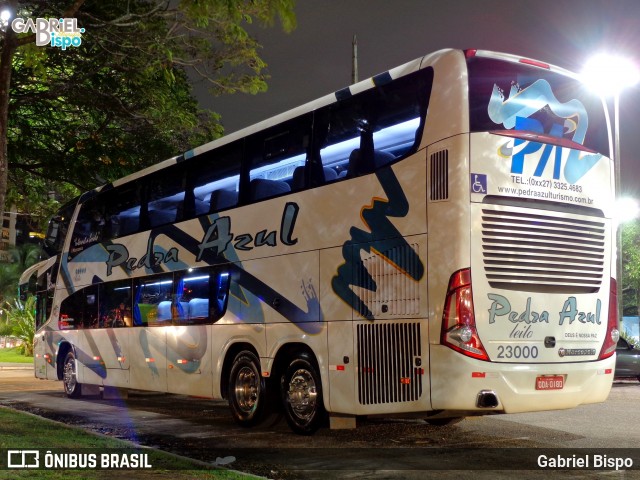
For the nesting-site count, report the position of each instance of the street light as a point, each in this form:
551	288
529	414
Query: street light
609	75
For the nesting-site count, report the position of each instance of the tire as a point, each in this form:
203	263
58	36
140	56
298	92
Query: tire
247	391
72	388
444	422
301	391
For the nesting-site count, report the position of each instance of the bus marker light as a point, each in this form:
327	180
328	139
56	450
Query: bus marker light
478	375
419	371
150	360
121	359
535	63
405	380
96	358
266	374
181	361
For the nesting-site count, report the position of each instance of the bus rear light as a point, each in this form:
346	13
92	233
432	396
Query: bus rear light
613	334
458	319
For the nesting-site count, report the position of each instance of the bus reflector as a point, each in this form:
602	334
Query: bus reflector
405	381
613	334
458	318
478	375
535	63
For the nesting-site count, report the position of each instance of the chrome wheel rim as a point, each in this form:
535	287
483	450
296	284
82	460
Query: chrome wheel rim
246	389
69	376
302	394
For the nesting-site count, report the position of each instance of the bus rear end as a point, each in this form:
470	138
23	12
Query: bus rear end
531	324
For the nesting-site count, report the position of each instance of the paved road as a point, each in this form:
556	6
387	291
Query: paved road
382	448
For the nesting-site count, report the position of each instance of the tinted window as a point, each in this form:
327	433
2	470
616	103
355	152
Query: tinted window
214	179
538	100
275	155
374	128
165	194
116	304
80	310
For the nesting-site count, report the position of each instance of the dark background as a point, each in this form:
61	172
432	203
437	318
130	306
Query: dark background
315	59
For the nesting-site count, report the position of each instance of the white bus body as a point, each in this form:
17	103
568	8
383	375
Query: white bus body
467	270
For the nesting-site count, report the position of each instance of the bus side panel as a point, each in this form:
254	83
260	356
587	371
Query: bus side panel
149	358
189	362
104	354
448	217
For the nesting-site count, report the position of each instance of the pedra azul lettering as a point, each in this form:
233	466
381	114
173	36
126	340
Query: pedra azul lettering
501	307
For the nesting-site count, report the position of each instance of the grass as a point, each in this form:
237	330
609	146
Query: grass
23	431
12	355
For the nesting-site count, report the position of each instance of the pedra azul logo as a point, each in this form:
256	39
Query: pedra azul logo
55	32
524	320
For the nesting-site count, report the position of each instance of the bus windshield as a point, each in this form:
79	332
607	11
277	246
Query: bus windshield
521	97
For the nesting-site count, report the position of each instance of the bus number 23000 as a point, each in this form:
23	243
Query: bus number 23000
509	351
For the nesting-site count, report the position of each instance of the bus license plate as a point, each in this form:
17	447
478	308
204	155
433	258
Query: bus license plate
554	382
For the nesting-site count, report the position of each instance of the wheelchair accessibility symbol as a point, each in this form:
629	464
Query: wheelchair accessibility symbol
478	183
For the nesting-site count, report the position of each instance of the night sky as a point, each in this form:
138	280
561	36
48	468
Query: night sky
315	59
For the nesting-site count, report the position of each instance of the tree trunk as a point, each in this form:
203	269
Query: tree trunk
6	56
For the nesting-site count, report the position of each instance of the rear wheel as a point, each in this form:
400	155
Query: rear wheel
247	391
301	391
69	376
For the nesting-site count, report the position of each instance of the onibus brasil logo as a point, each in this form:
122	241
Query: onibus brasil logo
56	32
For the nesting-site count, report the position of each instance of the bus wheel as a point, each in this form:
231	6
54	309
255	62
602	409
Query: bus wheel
69	377
301	390
247	390
444	422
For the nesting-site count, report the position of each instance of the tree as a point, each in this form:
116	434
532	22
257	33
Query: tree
630	288
121	100
22	257
22	322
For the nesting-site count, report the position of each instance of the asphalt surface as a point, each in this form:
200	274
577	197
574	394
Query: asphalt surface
482	447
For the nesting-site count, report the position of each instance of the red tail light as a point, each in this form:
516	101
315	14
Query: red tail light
613	334
458	319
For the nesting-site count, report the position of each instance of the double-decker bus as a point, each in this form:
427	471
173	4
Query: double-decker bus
435	241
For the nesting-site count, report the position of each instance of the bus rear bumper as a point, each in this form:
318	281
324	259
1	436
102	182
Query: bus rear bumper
462	383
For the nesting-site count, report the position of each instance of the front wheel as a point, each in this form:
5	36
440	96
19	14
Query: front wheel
69	377
301	390
247	391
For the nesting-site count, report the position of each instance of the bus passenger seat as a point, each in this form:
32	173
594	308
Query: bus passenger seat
380	158
201	207
164	311
298	179
261	188
199	308
161	217
221	199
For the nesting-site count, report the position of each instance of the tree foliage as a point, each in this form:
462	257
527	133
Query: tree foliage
21	258
20	318
121	100
631	267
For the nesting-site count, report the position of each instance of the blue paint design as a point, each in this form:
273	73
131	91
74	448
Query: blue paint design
383	238
520	104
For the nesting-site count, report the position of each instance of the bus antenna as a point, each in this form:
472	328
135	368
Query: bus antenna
354	60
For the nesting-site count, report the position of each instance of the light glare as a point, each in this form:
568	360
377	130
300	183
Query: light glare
610	74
